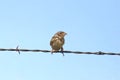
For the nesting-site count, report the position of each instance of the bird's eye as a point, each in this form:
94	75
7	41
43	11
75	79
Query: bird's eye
61	33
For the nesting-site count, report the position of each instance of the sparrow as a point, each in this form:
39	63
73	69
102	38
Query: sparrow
57	42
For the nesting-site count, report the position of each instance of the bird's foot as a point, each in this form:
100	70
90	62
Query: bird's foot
53	51
62	51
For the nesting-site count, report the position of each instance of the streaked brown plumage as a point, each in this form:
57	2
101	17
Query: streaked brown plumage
58	41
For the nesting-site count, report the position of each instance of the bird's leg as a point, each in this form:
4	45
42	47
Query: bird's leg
62	50
52	51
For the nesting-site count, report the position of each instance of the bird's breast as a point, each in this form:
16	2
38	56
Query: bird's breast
57	44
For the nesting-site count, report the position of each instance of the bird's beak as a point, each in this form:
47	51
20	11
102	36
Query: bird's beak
65	33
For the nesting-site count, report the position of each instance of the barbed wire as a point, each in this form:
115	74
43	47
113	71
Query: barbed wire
48	51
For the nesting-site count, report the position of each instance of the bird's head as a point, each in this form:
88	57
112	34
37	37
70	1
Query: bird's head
61	33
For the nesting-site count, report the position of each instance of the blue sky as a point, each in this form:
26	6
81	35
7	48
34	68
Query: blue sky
91	25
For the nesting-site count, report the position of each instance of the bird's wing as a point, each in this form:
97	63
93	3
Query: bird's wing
53	40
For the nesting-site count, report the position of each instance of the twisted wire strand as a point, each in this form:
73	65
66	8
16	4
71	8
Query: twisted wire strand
47	51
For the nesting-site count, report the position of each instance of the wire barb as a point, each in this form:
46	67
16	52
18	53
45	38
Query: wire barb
46	51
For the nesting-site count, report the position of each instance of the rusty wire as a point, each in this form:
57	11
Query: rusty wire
48	51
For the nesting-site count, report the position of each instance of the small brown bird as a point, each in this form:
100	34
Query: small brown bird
57	42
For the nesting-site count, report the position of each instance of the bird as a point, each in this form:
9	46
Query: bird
57	42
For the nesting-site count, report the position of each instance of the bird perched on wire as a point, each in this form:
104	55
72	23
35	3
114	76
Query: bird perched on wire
57	42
